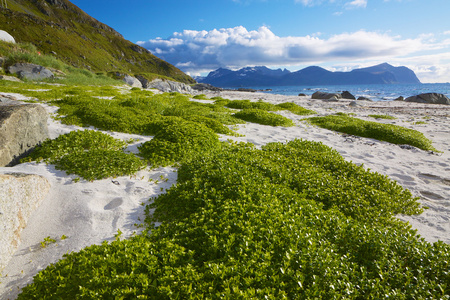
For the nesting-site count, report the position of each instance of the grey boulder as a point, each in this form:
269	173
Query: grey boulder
432	98
347	95
20	195
22	127
326	96
30	71
132	81
6	37
170	86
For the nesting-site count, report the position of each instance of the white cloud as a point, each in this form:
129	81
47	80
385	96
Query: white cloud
356	4
201	51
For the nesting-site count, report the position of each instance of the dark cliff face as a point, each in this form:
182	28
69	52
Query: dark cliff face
60	28
262	76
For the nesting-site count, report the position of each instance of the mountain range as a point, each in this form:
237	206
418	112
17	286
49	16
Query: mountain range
263	76
60	28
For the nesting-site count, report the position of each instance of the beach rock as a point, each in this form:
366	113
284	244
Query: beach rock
30	71
432	98
354	104
326	96
168	86
400	98
301	95
246	90
206	86
347	95
364	99
20	195
132	81
6	37
22	127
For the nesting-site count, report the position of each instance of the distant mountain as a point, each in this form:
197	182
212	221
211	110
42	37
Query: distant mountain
262	76
60	28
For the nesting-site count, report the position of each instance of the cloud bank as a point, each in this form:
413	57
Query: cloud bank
196	52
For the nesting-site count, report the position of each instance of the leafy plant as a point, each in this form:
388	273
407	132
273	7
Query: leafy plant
386	117
246	223
263	117
89	154
383	132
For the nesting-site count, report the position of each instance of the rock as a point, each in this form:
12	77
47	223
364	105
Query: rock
432	98
10	78
354	104
399	98
301	95
6	37
20	195
144	81
246	90
347	95
132	81
168	86
22	127
30	71
364	98
326	96
206	86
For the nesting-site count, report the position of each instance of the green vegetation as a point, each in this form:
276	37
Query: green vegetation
262	105
288	221
383	132
47	241
263	117
60	29
177	142
386	117
89	154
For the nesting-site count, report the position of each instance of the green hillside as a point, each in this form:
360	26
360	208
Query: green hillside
59	28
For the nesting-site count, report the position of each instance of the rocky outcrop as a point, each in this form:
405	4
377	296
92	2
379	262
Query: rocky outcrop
6	37
22	127
432	98
364	98
132	81
326	96
399	98
206	87
144	81
347	95
170	86
30	71
20	195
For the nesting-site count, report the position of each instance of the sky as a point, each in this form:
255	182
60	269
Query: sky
199	36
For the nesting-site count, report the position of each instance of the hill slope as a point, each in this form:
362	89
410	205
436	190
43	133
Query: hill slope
60	28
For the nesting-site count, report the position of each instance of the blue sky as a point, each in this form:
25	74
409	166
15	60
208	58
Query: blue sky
199	36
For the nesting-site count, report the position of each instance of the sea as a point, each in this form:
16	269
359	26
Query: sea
375	92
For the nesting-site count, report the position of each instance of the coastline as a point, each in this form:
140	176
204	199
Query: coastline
424	173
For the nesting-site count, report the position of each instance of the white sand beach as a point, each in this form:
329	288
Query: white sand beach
92	212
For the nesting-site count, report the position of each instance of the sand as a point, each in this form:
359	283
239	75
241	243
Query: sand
92	212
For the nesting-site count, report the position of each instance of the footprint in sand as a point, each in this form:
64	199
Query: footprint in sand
430	177
113	204
431	195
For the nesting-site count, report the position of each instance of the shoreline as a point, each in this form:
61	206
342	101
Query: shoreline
87	212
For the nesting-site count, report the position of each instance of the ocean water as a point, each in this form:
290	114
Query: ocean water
376	92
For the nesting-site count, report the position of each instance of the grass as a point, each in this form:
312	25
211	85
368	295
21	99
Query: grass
383	132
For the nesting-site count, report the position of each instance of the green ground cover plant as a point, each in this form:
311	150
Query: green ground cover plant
262	105
247	223
263	117
384	132
177	142
89	154
386	117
